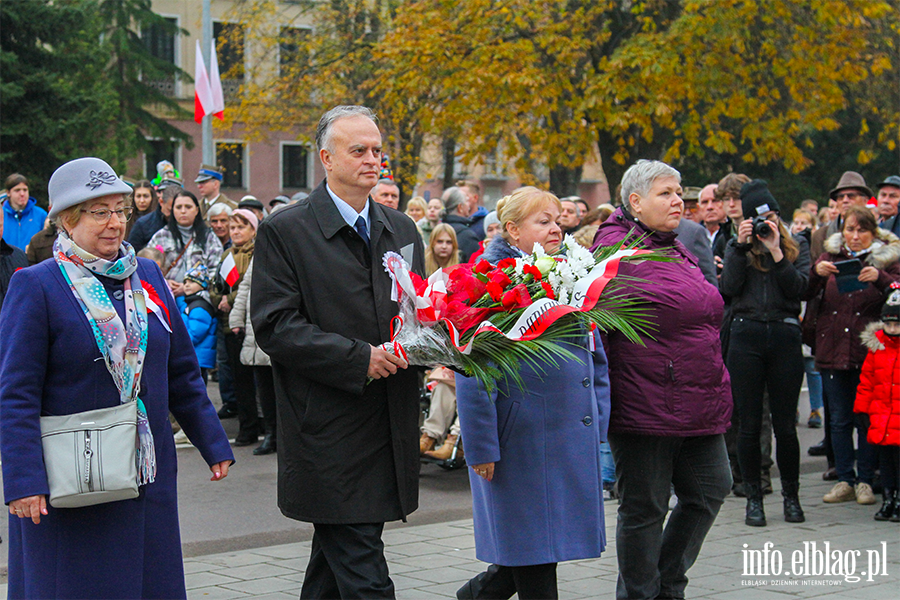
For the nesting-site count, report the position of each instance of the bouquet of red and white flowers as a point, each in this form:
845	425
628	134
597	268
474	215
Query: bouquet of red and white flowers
485	320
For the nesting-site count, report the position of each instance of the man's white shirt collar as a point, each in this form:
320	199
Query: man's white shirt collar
348	212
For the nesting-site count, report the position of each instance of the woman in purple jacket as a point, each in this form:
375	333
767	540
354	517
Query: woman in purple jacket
671	397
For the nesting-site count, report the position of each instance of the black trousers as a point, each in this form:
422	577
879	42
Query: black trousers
766	356
531	582
265	389
347	561
244	388
889	459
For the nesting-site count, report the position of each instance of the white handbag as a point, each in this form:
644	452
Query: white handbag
91	457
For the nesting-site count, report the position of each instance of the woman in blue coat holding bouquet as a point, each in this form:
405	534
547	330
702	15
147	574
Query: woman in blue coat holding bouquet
535	449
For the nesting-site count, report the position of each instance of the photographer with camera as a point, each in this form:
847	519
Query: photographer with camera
765	273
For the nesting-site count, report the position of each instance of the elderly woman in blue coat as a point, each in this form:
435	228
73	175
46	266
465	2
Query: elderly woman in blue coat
94	328
536	493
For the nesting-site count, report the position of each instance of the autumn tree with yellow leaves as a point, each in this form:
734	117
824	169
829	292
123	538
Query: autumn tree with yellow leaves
729	84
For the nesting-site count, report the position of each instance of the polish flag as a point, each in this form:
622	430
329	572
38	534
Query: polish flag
208	97
229	271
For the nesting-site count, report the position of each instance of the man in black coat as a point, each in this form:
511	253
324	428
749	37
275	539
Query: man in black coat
348	411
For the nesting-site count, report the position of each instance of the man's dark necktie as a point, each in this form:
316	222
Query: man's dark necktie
362	230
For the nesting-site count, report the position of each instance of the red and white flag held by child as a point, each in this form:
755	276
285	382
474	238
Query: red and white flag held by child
228	270
208	96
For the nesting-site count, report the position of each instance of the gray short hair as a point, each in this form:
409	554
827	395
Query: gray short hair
453	197
386	181
326	123
217	209
639	178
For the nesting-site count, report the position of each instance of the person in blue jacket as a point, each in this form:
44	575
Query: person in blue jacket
199	316
535	451
93	328
22	217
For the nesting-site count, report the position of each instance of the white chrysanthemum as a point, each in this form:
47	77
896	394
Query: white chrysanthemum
520	265
562	295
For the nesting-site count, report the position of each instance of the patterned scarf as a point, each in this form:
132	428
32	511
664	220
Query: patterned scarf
123	346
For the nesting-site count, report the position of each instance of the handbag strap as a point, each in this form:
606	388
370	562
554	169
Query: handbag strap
178	258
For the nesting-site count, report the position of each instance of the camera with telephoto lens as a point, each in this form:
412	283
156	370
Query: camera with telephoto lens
761	229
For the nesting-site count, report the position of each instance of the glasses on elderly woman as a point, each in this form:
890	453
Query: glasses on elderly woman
103	215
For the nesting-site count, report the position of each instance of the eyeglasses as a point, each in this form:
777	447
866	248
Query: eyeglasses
848	195
103	215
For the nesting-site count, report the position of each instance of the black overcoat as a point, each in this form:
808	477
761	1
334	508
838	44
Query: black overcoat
347	449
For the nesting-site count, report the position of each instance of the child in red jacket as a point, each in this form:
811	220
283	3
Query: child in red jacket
878	396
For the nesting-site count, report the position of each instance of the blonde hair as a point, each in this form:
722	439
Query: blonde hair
801	212
69	216
431	263
416	201
519	205
154	255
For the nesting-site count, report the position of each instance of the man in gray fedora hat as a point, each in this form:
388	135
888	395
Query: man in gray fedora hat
888	200
850	190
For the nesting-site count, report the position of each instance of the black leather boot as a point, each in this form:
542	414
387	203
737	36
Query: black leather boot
887	509
756	514
268	446
792	511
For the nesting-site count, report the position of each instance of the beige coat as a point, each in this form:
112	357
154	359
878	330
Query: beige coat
239	318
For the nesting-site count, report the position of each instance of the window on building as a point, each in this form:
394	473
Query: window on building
230	156
160	41
230	52
162	150
292	49
294	166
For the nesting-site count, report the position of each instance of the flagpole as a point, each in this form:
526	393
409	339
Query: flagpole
209	151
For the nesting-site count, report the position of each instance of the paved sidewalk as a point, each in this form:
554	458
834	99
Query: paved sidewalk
432	561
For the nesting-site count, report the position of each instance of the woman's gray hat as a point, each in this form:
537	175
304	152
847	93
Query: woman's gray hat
81	180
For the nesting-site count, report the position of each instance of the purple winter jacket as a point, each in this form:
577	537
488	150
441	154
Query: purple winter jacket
675	385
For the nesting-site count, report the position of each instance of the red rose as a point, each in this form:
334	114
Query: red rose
533	271
516	298
500	278
495	290
464	317
548	290
506	263
463	285
483	266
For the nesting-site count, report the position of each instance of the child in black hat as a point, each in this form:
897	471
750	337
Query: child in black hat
877	397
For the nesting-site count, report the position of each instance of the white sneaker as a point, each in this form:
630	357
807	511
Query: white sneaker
864	494
181	438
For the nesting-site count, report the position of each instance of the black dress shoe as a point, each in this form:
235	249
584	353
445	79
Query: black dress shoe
830	474
818	450
245	440
268	446
227	412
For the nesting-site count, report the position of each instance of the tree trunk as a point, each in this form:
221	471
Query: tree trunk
448	149
564	180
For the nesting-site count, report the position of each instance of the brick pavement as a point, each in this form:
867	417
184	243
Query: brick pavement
432	561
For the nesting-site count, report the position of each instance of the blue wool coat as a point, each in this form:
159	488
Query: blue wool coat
19	228
545	502
201	326
50	364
